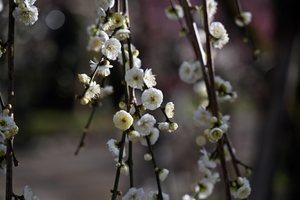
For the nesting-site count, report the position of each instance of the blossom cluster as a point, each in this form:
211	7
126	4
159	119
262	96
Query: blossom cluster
207	115
25	12
8	129
109	38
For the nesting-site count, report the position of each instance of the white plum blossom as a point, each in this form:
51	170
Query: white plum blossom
8	126
115	20
244	19
111	48
242	188
224	90
122	34
85	79
213	134
219	34
162	174
92	92
134	194
28	194
202	117
114	148
169	110
203	190
152	136
134	78
153	195
190	72
97	42
103	69
149	78
104	4
145	124
205	163
26	12
211	9
175	12
152	98
123	120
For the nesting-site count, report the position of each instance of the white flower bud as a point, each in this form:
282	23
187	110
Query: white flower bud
162	174
133	136
147	157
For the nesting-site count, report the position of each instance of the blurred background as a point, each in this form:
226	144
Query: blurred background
264	119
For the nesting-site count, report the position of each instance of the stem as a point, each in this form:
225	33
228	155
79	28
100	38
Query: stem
224	169
213	104
196	43
248	35
10	96
155	167
116	184
81	143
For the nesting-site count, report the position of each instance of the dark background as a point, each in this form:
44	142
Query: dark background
264	119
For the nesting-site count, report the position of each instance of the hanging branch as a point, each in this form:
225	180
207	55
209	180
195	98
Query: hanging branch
10	96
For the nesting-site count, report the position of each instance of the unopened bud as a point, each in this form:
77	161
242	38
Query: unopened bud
240	181
148	157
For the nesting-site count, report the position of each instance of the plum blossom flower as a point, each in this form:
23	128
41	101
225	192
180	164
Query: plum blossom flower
92	92
28	194
244	19
211	9
202	117
114	147
203	190
219	34
169	109
123	120
242	188
152	136
152	98
111	48
8	126
145	124
96	42
134	78
134	194
102	70
214	134
175	12
122	34
224	90
190	72
149	78
26	12
85	79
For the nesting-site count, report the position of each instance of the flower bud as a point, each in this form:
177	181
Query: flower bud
240	181
162	174
122	105
173	127
133	135
147	157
